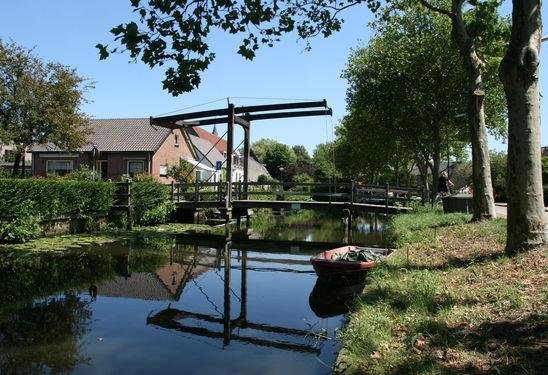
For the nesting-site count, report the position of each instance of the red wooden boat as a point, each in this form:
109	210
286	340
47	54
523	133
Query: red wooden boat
327	268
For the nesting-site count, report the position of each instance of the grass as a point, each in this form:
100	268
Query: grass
450	302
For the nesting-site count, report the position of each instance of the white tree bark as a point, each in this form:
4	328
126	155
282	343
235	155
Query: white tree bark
484	200
519	72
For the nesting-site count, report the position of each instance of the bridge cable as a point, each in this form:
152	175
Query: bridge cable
203	157
192	106
224	161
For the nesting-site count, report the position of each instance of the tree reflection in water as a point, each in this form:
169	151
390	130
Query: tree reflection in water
43	336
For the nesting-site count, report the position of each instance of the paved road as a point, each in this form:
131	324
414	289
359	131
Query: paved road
500	208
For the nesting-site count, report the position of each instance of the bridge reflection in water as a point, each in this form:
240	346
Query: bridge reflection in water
240	328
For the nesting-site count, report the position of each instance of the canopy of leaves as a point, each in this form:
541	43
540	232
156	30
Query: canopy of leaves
40	102
324	163
183	173
278	156
407	92
176	33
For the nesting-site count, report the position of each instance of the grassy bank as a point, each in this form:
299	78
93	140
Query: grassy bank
450	301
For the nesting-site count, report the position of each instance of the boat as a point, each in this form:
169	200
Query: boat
329	265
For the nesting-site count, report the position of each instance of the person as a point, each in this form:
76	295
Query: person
444	184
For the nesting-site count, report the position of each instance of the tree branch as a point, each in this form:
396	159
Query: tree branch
434	8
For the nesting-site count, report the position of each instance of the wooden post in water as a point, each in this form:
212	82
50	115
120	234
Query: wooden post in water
129	208
226	313
229	150
247	134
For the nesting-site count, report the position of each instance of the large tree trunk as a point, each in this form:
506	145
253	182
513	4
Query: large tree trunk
484	202
520	74
436	159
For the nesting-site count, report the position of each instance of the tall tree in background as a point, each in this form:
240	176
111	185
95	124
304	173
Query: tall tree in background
468	27
406	91
39	102
274	155
520	74
324	162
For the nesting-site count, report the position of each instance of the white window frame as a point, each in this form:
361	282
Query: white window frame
163	170
134	161
71	163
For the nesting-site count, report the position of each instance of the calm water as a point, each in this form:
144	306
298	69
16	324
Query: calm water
184	304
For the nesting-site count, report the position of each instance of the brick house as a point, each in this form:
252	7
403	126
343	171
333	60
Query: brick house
131	146
117	147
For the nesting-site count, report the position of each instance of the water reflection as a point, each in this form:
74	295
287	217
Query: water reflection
238	304
171	318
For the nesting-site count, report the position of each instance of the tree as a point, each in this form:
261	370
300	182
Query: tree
175	33
406	92
303	165
276	157
324	163
260	147
519	74
301	154
183	173
39	102
467	28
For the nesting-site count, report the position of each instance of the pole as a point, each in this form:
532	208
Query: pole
129	208
229	150
387	190
247	134
226	313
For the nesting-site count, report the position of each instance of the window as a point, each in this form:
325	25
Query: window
135	167
163	170
199	175
59	167
176	140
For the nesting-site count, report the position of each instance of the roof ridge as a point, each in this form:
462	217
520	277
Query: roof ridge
120	118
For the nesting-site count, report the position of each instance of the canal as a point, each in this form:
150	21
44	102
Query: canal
195	304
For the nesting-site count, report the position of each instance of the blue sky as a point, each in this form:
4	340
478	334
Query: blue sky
67	31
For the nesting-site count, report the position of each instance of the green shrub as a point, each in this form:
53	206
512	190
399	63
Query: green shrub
22	227
150	201
83	174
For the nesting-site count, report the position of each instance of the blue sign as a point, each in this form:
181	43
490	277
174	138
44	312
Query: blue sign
218	165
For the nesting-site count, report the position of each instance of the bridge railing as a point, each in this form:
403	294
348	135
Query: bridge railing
293	191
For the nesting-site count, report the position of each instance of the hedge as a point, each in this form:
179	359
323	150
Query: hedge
49	198
150	200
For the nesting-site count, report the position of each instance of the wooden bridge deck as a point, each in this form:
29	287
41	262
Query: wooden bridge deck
296	205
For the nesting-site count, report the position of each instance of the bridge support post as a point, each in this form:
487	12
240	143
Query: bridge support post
247	133
227	329
229	151
347	221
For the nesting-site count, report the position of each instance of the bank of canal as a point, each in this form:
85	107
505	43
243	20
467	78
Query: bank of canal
146	303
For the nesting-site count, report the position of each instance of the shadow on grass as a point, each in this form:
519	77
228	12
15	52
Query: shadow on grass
450	263
504	347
